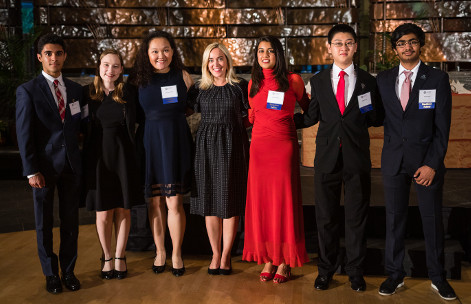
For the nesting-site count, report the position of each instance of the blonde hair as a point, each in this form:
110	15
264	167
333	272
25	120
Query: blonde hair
207	78
96	90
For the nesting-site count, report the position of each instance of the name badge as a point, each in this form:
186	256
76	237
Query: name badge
84	113
275	100
364	102
427	99
169	94
74	107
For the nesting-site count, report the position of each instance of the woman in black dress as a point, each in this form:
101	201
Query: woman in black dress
163	84
221	159
111	179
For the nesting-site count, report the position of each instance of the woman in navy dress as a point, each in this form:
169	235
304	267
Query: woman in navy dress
163	84
111	184
222	153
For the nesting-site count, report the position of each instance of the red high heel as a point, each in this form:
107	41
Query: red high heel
279	278
268	276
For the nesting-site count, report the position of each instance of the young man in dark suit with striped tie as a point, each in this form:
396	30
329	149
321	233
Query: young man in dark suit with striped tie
417	103
345	102
48	115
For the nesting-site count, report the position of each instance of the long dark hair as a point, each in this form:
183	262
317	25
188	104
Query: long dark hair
143	70
280	70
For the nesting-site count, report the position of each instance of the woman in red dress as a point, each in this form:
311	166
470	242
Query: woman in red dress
274	228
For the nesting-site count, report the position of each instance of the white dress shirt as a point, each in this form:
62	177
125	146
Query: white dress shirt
62	89
350	80
401	77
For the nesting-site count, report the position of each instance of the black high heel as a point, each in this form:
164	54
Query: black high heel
178	272
121	274
226	271
158	269
108	275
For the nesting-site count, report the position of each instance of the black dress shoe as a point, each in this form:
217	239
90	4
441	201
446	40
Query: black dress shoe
357	283
213	271
322	282
178	272
53	284
390	286
70	281
158	269
445	290
121	274
225	271
108	275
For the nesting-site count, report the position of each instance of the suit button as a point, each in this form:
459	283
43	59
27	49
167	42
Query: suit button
404	139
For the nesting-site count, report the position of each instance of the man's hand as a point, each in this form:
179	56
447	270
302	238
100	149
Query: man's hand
37	181
424	176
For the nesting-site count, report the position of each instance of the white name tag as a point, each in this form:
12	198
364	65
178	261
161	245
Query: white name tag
169	94
84	113
275	100
74	107
364	102
427	99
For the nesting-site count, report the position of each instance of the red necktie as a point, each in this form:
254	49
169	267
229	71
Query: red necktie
405	90
60	100
341	92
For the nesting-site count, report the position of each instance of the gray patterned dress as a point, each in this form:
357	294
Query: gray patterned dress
222	150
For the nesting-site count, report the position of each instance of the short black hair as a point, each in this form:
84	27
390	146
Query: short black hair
50	39
341	28
405	29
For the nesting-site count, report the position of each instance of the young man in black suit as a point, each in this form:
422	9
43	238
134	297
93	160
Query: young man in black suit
48	114
417	103
345	102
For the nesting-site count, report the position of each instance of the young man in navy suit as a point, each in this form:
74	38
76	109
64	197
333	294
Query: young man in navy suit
48	115
345	102
417	103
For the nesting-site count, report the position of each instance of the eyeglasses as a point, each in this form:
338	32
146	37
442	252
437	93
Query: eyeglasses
412	42
349	44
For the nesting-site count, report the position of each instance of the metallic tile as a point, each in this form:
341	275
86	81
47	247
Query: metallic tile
75	3
43	16
279	30
4	17
176	31
80	31
381	26
290	3
308	51
168	3
104	16
448	9
322	15
457	25
225	16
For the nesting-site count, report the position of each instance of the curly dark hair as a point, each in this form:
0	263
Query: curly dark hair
280	70
143	70
405	29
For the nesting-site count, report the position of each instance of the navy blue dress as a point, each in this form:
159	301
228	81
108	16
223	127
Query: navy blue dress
167	137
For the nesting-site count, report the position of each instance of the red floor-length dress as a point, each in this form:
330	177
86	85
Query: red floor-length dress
274	227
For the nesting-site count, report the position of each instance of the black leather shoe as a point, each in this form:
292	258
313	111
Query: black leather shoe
70	281
214	271
53	284
322	282
226	271
445	290
178	272
357	283
121	274
108	275
390	286
158	269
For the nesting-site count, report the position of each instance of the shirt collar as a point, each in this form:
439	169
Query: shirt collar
414	70
336	70
51	79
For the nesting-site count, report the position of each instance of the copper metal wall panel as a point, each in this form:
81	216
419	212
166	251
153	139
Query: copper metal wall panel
4	20
302	51
457	25
76	3
43	15
4	3
80	31
327	15
168	3
290	3
381	26
103	16
225	16
176	31
448	9
281	31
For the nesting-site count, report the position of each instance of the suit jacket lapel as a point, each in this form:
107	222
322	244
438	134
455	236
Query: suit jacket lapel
391	89
329	91
422	75
352	103
46	90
